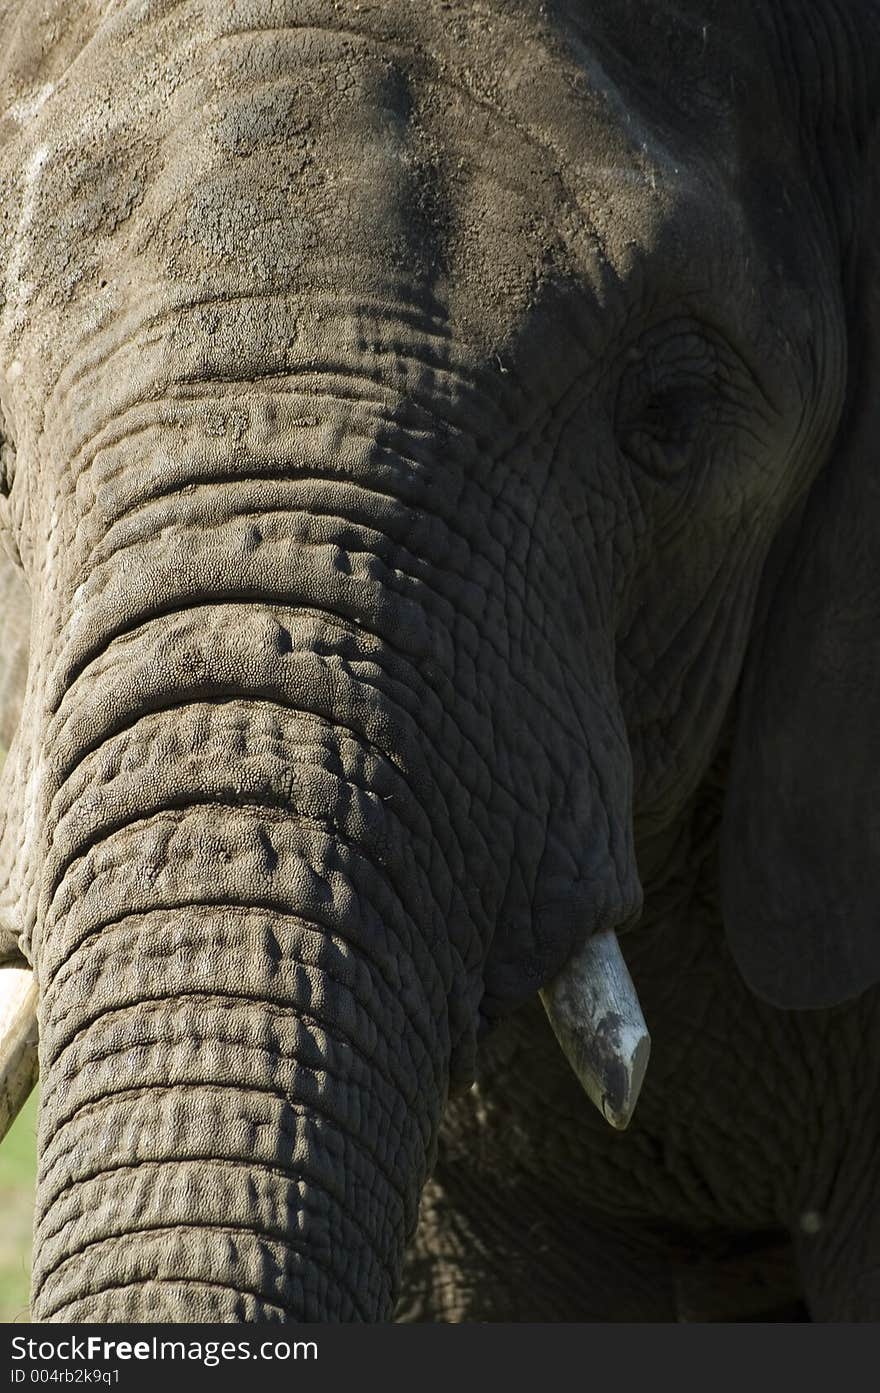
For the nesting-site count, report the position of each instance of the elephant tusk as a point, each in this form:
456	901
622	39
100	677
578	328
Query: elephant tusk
594	1010
18	1042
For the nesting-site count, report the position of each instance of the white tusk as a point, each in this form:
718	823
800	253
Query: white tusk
18	1042
595	1014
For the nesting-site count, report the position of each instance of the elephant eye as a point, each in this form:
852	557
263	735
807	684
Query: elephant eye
7	467
667	398
670	414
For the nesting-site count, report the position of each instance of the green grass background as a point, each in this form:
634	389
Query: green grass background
18	1163
17	1167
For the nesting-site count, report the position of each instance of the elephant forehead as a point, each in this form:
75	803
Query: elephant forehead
423	140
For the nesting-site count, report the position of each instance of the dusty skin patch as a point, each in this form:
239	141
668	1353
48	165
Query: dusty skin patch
17	1168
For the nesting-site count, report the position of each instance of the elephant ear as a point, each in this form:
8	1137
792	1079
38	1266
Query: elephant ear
800	846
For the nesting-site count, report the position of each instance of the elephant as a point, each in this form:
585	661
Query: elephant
440	498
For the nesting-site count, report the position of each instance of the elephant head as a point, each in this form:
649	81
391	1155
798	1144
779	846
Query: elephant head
416	422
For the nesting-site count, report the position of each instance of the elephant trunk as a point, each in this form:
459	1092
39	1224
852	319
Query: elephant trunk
233	1129
246	925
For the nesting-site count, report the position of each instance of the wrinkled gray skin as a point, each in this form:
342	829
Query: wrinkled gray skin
439	450
14	624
